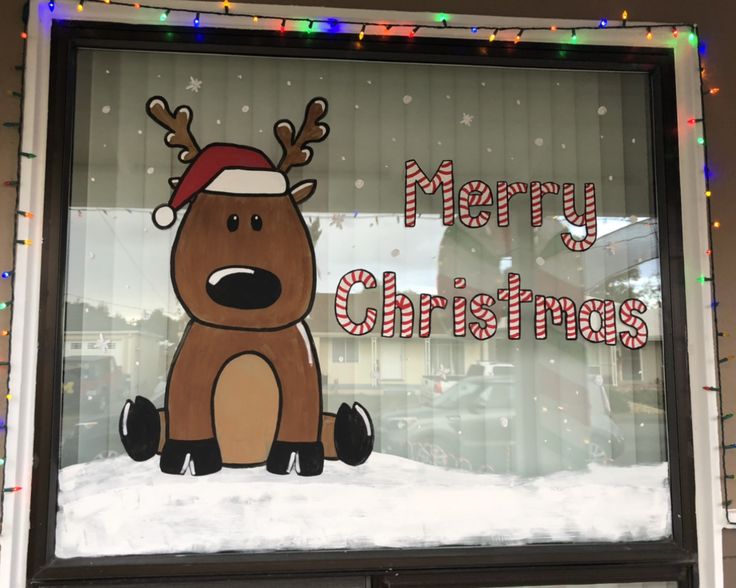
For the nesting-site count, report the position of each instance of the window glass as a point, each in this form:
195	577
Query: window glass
499	430
344	350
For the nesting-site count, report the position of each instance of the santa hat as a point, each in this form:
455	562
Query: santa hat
223	169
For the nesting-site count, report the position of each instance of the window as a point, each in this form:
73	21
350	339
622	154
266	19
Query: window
533	318
447	358
345	351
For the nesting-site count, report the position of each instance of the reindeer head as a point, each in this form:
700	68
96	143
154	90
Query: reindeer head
242	257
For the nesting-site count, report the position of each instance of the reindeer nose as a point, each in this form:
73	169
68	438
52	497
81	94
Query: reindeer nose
243	287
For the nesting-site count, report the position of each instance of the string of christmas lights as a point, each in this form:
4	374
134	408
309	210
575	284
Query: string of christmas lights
713	224
362	29
9	274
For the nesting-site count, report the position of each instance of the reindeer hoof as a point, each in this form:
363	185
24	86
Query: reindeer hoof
307	458
353	434
140	428
200	457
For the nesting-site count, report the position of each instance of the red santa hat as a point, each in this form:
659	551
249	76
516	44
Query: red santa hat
223	169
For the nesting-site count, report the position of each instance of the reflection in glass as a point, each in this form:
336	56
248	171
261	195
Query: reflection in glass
512	410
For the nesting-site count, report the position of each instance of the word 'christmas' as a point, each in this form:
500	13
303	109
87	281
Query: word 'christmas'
477	193
595	319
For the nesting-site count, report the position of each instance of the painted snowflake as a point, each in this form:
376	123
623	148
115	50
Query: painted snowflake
194	85
102	343
337	220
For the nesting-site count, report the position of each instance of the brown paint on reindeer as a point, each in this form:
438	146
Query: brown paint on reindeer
245	385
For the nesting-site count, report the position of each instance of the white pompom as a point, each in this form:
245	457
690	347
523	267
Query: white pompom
164	216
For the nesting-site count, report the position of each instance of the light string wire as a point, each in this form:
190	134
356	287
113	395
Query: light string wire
722	415
16	216
228	10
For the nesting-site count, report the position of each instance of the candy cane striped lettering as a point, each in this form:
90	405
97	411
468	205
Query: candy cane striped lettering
607	313
427	303
442	177
588	219
504	192
556	306
638	339
459	314
480	308
474	193
539	190
609	317
391	301
341	303
514	295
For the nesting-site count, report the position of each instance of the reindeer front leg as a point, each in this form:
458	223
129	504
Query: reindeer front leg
298	443
190	439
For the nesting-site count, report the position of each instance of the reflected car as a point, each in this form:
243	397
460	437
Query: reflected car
93	388
480	424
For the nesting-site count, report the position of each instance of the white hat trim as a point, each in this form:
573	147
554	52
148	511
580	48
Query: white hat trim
248	181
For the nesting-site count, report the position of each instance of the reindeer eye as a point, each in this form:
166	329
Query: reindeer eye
232	222
256	222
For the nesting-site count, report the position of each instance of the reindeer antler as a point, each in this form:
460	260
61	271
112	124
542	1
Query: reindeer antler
312	130
178	123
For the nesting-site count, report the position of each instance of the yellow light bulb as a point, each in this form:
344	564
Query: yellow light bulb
255	18
708	193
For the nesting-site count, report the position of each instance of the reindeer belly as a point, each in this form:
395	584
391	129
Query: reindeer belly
246	410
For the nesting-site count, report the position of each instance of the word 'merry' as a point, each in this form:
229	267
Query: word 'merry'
477	193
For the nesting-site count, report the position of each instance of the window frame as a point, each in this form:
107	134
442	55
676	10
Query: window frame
674	559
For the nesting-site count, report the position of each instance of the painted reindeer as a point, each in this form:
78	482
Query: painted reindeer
244	387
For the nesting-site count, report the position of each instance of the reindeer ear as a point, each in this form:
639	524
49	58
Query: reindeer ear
303	190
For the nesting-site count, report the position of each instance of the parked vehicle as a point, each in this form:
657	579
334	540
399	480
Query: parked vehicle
489	368
482	424
93	388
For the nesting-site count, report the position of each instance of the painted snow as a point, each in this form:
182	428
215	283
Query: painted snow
117	507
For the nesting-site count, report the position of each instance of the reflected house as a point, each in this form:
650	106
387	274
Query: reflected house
373	361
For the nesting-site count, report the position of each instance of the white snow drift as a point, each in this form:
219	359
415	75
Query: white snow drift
117	506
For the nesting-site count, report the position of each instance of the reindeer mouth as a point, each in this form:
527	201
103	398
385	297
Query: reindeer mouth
243	287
